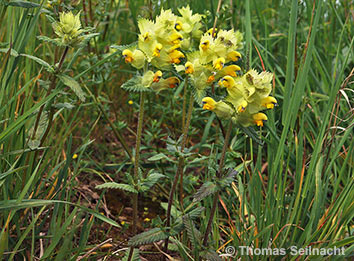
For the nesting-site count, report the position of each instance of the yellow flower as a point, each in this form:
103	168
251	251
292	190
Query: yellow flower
259	118
175	38
210	31
147	220
135	57
189	67
75	156
130	102
227	82
269	102
175	56
221	109
234	56
205	45
157	76
157	50
211	78
231	70
128	55
178	25
218	64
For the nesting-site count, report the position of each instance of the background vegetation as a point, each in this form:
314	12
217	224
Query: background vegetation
295	189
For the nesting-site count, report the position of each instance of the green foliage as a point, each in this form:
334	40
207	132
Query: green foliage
114	185
74	86
135	256
19	3
150	236
135	85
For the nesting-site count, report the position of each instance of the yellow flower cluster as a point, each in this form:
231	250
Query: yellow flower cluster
214	59
161	42
206	59
69	28
247	97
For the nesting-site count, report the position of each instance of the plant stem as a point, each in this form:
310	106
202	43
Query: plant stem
51	87
136	168
183	145
53	79
216	19
218	174
179	172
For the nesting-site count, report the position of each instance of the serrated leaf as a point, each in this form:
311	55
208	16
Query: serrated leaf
151	180
210	255
23	4
135	85
123	47
178	225
205	190
251	132
55	41
34	141
39	61
198	94
114	185
227	180
174	212
74	86
135	256
159	156
148	237
87	38
65	105
193	234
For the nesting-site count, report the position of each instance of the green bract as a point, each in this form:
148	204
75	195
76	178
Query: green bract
69	29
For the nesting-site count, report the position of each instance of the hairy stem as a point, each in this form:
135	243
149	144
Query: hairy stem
183	145
53	80
179	172
50	89
136	168
216	196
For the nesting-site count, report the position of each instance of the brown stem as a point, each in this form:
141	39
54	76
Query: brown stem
136	168
218	174
184	141
179	172
216	18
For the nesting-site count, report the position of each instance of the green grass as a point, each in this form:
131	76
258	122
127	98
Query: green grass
295	190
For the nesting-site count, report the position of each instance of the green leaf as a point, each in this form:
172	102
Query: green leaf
135	85
123	47
40	61
56	41
31	203
193	234
65	105
114	185
205	190
210	255
12	52
74	85
87	38
159	156
251	132
148	237
150	181
227	180
23	4
135	256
